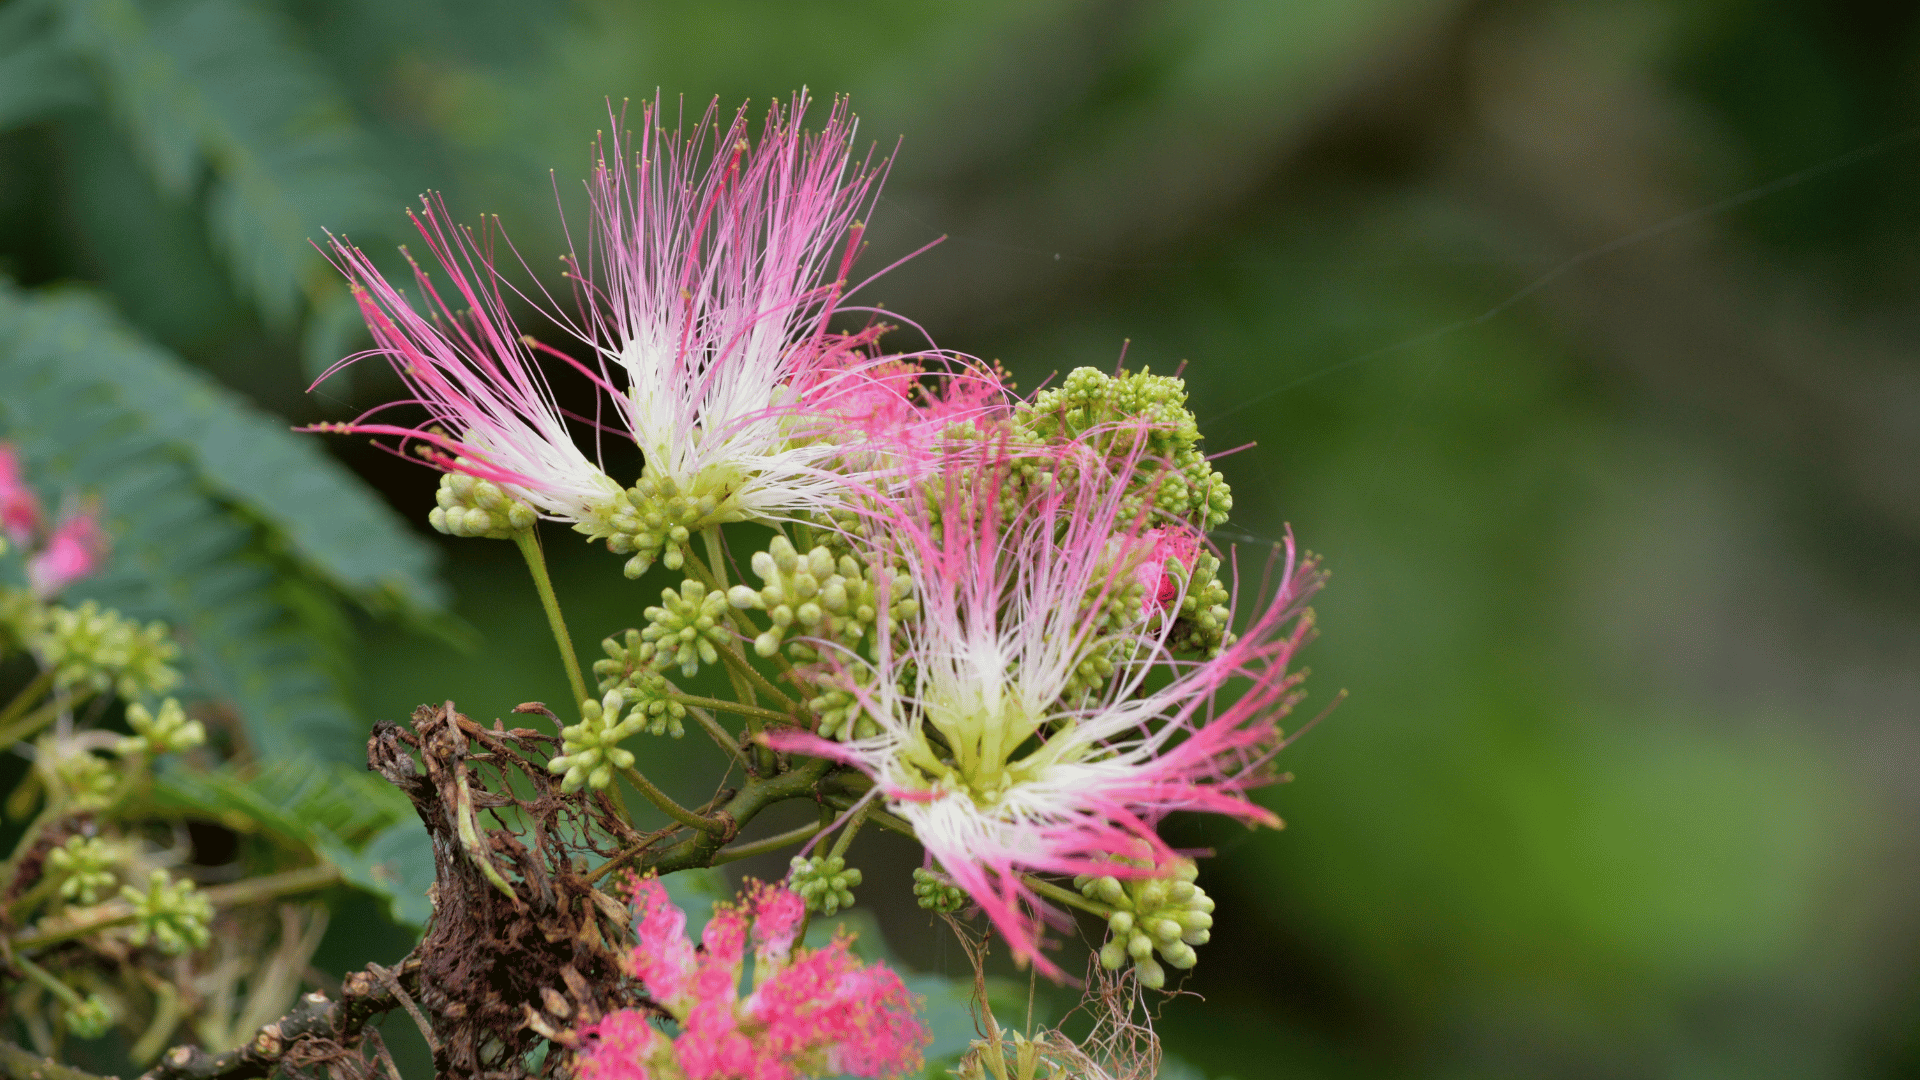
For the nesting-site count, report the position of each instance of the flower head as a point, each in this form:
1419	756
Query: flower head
717	262
491	414
77	549
812	1012
1033	717
19	509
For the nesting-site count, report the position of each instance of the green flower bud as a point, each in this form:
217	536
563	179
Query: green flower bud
590	749
85	866
827	597
824	882
466	505
1168	915
89	646
685	628
936	893
174	915
628	668
169	732
91	1018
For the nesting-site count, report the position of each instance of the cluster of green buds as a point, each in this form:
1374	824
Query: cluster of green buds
685	629
826	597
469	506
172	914
1202	625
591	749
647	691
1168	915
80	778
169	732
1180	481
825	882
838	712
659	519
936	893
84	865
99	649
91	1018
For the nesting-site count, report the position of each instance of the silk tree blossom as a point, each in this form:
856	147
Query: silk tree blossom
76	549
989	743
716	263
491	413
817	1012
19	508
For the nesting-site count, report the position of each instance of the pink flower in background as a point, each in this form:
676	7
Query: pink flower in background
715	266
19	509
813	1012
995	744
77	549
490	411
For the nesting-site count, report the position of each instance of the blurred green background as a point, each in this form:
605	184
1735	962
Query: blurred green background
1621	500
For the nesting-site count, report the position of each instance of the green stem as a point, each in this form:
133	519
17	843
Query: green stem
529	543
877	816
754	797
739	663
845	840
667	806
771	843
120	913
711	534
1066	896
40	717
53	986
23	700
19	1063
721	736
722	705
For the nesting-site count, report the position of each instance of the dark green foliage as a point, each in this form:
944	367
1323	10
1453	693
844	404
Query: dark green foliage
235	531
342	813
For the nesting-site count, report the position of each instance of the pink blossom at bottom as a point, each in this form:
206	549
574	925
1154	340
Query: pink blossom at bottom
811	1012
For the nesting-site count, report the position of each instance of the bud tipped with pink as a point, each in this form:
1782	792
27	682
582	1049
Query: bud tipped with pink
19	508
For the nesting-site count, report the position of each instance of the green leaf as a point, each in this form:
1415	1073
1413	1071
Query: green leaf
225	84
346	815
38	74
313	507
215	511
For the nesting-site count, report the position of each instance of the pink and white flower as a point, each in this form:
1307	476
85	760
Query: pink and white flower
816	1012
490	410
76	549
989	745
19	508
715	267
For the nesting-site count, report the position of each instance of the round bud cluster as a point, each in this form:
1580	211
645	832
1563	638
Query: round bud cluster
169	732
625	669
1168	915
1202	624
97	648
685	628
1184	484
85	779
824	882
660	518
839	714
591	748
469	506
85	866
827	597
173	914
91	1018
935	893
